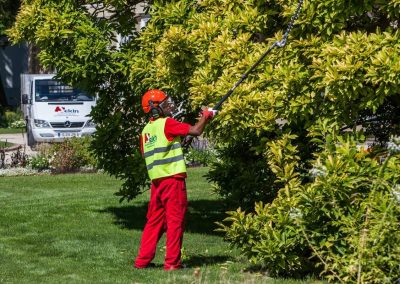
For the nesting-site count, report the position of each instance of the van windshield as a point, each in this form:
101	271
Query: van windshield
48	90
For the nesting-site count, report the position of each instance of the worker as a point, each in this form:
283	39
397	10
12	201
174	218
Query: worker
160	143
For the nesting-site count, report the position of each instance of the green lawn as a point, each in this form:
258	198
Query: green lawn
71	229
11	130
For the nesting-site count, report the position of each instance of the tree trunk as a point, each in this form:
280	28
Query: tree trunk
34	66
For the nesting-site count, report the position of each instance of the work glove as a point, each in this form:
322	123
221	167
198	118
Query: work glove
208	113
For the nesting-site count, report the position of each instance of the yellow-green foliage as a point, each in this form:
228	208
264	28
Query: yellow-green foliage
342	58
343	223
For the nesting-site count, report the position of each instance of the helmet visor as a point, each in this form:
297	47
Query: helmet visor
168	106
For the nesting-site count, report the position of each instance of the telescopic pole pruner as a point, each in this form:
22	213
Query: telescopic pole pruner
281	43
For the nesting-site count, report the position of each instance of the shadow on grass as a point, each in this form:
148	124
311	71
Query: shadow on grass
200	217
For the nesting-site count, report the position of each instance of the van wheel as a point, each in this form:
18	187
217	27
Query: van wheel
30	138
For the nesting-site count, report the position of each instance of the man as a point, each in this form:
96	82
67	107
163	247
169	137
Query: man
160	143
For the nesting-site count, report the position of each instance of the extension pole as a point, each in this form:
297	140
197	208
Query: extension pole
280	43
244	76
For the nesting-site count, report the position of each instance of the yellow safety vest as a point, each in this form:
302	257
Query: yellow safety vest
163	158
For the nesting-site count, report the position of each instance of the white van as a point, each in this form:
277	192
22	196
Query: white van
54	111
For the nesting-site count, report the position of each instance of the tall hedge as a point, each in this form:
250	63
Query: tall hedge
342	223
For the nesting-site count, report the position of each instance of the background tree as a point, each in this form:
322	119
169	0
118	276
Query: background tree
76	40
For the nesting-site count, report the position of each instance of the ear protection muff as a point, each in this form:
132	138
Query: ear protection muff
155	110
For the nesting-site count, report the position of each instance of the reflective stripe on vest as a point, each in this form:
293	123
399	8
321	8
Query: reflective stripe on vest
162	149
163	162
163	158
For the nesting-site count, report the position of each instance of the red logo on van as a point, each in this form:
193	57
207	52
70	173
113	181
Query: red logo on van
58	109
66	110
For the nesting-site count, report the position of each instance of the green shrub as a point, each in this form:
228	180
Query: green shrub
18	124
83	151
342	223
350	215
64	158
11	117
269	236
40	162
70	155
242	179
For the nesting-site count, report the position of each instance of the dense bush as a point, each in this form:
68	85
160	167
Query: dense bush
71	155
83	150
65	158
68	156
39	162
343	223
21	123
8	10
11	118
242	179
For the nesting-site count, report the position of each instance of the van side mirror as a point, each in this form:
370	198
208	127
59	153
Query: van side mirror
25	99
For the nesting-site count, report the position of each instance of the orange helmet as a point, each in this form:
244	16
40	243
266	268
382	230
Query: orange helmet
152	98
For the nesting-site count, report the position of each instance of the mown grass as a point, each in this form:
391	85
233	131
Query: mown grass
71	229
11	130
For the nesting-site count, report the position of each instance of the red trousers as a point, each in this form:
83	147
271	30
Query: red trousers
166	213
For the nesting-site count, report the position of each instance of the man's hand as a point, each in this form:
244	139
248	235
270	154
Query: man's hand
209	113
206	115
